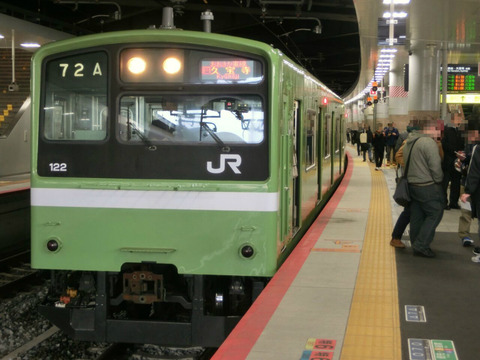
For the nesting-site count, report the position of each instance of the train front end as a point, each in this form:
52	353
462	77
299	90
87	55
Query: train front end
152	197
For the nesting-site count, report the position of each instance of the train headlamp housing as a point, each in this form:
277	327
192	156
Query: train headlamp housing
247	251
54	245
151	65
172	65
136	65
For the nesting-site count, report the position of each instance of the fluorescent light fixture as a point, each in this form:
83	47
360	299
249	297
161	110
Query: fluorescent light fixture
30	45
399	14
399	2
388	50
2	37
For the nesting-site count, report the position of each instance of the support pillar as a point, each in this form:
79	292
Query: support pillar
424	83
397	96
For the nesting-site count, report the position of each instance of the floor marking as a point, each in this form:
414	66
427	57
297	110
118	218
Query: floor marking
349	249
425	349
415	313
316	355
319	349
320	344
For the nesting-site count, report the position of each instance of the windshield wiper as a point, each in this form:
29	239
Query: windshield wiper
215	137
142	136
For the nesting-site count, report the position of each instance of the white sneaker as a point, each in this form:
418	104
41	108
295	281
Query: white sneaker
476	259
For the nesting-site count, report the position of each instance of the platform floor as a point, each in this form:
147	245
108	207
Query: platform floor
345	293
14	182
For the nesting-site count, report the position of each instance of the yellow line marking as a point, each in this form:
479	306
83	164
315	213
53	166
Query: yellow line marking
373	330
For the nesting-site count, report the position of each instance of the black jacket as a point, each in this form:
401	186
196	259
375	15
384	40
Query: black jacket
472	182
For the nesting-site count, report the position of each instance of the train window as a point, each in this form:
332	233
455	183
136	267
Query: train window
191	119
75	98
311	143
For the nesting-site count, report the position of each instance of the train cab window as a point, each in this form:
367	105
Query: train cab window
191	119
75	98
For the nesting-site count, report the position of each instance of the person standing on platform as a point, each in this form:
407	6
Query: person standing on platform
425	185
378	143
391	136
366	138
461	165
472	191
404	217
452	142
355	140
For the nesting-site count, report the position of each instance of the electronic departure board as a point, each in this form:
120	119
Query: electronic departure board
462	79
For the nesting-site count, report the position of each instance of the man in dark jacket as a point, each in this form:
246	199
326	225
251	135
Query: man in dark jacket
391	136
452	142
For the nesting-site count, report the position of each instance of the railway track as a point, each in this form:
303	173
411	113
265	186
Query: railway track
15	272
52	340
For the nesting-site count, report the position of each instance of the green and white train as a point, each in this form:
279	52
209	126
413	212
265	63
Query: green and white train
172	174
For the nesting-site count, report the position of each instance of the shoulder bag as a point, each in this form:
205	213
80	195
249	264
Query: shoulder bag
402	194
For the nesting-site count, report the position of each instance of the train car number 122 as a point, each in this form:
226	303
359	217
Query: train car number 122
58	167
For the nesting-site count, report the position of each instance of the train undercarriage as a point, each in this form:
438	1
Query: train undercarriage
149	304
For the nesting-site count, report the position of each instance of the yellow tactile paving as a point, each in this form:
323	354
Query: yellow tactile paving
373	330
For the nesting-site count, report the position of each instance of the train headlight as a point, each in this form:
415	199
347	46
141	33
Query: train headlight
136	65
172	65
247	251
53	245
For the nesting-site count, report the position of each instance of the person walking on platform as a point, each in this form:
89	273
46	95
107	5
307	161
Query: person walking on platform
378	143
391	136
452	142
428	198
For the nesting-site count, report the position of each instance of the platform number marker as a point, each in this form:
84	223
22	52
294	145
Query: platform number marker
425	349
319	349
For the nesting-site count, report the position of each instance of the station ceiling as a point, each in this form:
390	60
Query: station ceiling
321	35
336	40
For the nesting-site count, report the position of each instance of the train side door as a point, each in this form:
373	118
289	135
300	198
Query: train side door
290	176
319	154
295	181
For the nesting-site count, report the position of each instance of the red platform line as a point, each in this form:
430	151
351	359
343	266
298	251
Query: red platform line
241	340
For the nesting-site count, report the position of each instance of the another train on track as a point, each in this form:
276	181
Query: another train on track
172	174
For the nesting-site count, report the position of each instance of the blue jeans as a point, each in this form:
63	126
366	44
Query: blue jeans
401	224
426	212
369	149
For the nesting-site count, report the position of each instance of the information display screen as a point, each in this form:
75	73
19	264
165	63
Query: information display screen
227	69
462	79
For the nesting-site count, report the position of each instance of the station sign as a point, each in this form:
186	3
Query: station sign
461	78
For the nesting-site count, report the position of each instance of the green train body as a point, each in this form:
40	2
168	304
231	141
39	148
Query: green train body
163	203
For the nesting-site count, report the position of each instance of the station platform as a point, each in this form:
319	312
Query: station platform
345	293
13	183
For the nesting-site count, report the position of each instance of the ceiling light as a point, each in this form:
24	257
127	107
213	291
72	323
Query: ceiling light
400	14
388	50
30	45
2	37
400	2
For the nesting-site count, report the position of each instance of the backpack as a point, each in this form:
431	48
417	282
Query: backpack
363	138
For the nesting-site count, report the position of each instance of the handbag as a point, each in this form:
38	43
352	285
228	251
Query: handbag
402	194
